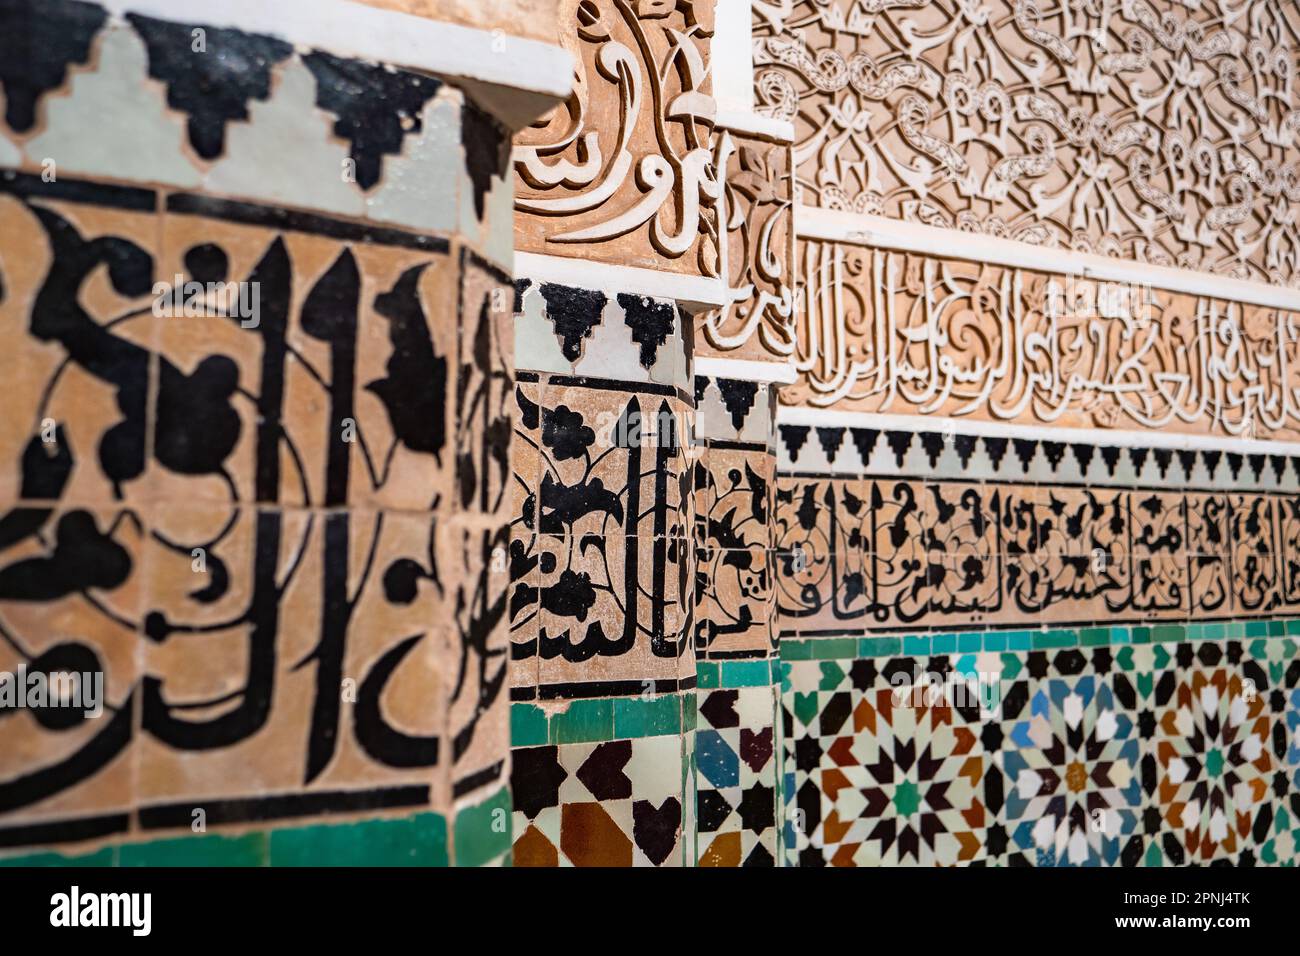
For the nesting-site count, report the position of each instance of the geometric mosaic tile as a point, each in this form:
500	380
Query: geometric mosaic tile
1129	754
736	775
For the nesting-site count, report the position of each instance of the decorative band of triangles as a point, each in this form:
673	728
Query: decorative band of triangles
846	450
729	409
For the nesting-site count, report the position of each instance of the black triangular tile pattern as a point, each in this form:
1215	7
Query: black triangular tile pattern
1176	467
830	439
865	441
899	443
794	436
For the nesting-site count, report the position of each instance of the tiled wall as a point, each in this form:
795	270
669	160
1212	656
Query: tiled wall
989	531
280	534
602	595
1004	640
620	565
736	641
1162	745
989	661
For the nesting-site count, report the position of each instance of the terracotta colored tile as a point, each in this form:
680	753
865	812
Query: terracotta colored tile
347	349
723	851
533	849
71	600
76	427
244	686
597	624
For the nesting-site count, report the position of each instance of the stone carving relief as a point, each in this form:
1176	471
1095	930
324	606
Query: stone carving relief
628	169
895	332
1146	129
758	261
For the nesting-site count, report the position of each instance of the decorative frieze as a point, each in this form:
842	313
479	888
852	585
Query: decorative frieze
1146	129
894	332
877	554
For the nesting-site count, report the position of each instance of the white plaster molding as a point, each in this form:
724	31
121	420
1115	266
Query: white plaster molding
746	370
732	55
516	78
879	232
755	124
1120	438
692	293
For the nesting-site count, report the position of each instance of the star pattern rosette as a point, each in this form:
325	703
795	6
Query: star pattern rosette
907	787
1072	774
1213	762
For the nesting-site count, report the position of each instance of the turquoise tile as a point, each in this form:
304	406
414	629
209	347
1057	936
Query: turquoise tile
965	665
832	675
880	646
249	849
995	641
799	649
916	646
585	721
1168	633
836	648
647	717
528	726
1049	640
1094	637
482	832
105	857
1020	641
419	840
747	673
970	643
943	644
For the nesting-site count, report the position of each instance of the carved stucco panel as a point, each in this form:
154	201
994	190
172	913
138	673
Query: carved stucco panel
896	332
626	170
758	261
1146	129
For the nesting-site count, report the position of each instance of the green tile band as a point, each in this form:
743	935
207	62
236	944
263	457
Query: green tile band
795	648
419	840
595	721
481	834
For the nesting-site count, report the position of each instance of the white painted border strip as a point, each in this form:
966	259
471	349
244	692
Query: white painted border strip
755	124
689	291
746	370
860	229
384	36
731	55
835	418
